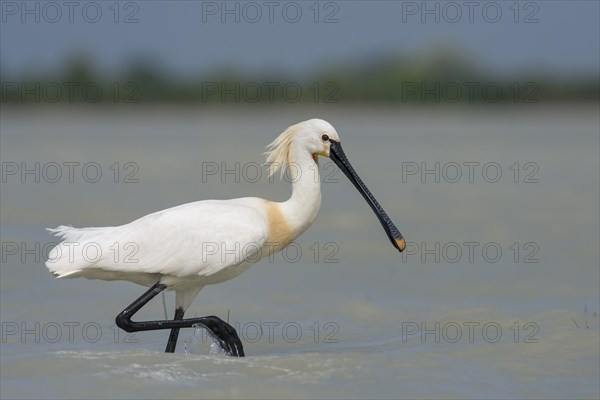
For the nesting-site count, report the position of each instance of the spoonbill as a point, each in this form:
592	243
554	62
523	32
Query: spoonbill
187	247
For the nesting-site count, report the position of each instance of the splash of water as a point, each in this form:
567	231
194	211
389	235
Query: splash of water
196	343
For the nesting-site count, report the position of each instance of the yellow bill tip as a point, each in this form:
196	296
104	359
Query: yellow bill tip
401	244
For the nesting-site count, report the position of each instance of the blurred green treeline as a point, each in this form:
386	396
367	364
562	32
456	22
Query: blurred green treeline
442	78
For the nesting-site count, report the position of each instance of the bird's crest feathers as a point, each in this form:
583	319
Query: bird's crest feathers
278	152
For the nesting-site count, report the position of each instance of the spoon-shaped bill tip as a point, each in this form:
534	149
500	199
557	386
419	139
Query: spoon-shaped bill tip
401	244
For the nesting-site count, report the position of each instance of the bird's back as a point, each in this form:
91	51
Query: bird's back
206	240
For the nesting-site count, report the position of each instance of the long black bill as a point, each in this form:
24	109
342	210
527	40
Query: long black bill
339	158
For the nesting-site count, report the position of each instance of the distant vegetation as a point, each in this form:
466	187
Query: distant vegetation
437	79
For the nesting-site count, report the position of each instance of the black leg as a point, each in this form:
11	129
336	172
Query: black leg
222	331
174	332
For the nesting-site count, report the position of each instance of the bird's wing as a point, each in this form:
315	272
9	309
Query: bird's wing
194	239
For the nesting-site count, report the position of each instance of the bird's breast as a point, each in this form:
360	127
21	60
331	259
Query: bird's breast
280	231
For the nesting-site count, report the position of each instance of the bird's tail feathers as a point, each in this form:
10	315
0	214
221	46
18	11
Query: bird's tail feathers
69	257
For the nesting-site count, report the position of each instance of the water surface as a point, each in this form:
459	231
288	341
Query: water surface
342	314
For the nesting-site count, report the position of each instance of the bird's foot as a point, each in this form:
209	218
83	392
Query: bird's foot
224	335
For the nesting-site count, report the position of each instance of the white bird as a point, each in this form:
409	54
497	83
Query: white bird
187	247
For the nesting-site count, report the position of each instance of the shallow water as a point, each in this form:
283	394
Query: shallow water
341	314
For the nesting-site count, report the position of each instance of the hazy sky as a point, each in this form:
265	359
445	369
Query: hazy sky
188	37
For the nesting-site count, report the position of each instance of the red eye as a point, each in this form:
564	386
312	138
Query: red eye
325	137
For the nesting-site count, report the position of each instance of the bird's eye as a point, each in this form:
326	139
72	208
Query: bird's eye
325	137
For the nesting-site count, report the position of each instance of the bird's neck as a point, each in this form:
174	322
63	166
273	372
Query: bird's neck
302	207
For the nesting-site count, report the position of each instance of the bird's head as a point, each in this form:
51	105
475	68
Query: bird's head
314	136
